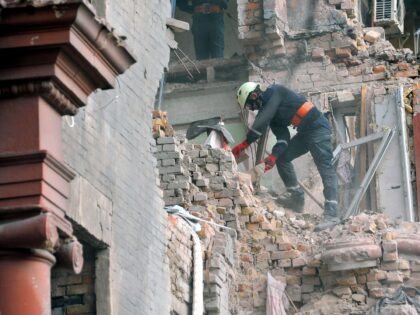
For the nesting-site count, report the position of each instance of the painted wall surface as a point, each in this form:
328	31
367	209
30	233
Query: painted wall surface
110	149
389	177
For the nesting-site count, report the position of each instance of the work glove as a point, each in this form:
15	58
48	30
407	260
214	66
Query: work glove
269	162
236	151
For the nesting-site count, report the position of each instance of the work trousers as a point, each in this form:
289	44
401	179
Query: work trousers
318	142
208	31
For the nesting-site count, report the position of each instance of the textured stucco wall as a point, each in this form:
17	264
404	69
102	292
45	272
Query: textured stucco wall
110	149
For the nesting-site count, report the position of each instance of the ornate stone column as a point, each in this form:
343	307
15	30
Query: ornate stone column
52	56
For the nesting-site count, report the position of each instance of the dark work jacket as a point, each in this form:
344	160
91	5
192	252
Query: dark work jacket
188	5
279	105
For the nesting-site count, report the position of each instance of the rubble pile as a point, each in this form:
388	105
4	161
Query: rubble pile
344	270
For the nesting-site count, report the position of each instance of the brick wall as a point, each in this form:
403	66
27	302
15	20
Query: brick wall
179	253
110	148
75	294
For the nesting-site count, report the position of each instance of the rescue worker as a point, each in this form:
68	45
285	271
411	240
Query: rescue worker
279	107
208	26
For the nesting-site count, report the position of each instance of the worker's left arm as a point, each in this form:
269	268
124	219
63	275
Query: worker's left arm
264	117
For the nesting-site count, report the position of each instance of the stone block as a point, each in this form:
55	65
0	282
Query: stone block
309	271
294	292
311	280
168	162
348	280
377	292
163	170
179	185
284	263
342	291
307	288
372	36
343	52
298	262
285	246
361	279
390	257
200	196
259	235
289	254
166	140
292	279
318	53
394	277
373	284
202	182
389	266
415	266
225	202
376	275
359	298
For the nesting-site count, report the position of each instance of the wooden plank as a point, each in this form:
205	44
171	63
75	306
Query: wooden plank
362	133
370	147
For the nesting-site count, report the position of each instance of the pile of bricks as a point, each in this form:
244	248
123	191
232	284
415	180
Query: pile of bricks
204	182
356	263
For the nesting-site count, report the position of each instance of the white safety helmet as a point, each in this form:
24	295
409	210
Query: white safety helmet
244	91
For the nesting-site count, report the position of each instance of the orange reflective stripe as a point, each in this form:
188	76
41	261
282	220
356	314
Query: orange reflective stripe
301	113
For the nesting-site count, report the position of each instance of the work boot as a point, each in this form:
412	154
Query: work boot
293	198
331	218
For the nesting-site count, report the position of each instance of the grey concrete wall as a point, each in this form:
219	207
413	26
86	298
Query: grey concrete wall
110	149
189	103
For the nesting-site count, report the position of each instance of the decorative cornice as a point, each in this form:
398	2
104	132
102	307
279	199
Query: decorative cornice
47	89
74	17
7	159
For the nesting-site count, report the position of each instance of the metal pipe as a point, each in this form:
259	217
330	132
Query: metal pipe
354	205
405	160
198	288
25	286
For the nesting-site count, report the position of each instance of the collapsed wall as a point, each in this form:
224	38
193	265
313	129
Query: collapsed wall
345	270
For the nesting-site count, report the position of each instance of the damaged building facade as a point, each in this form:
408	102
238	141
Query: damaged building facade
96	179
357	61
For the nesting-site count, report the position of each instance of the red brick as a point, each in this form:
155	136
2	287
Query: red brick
80	309
412	73
347	280
361	279
79	289
387	257
389	246
298	262
252	6
403	66
309	271
285	246
377	293
290	279
379	69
